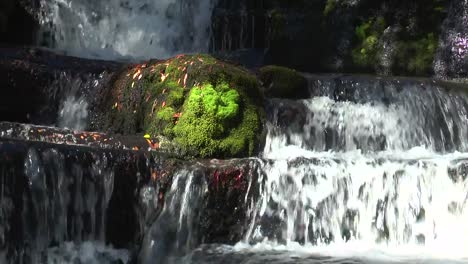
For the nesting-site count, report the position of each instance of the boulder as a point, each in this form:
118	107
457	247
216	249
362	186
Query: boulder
282	82
198	105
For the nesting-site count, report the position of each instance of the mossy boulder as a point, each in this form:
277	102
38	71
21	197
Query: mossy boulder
282	82
198	105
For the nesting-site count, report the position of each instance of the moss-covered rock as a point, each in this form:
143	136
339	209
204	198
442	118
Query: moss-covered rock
201	106
282	82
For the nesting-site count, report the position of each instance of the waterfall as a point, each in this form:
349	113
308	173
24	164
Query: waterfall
117	28
176	231
373	161
61	204
76	98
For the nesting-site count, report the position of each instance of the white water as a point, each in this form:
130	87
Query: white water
76	97
176	229
117	28
88	252
73	113
365	179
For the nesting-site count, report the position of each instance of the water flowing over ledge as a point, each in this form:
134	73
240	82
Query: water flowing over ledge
127	29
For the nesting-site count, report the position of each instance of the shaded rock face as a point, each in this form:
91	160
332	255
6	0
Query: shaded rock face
452	55
17	26
36	82
384	37
287	31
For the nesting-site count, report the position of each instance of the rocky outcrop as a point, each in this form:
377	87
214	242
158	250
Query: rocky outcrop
201	106
34	80
52	193
194	105
384	37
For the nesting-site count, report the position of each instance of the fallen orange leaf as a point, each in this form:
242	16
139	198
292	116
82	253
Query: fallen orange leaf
136	73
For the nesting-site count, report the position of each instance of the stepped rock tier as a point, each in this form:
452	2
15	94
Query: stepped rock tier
245	131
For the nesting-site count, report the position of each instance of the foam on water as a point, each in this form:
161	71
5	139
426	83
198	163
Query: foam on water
116	28
380	179
73	113
88	252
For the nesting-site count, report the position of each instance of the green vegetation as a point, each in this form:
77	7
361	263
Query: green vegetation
416	56
210	111
205	107
366	53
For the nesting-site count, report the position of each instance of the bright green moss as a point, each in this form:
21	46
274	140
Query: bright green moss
206	107
166	114
176	94
243	137
208	124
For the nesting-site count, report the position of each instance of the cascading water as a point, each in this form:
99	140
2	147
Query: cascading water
368	170
73	113
176	230
117	28
365	164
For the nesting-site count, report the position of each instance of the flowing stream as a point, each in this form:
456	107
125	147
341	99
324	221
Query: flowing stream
365	170
368	170
126	29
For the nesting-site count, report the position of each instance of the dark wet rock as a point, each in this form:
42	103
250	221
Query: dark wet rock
384	37
282	82
458	172
32	82
61	136
421	239
17	25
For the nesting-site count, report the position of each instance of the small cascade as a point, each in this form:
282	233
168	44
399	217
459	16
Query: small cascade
392	199
75	98
369	161
66	204
177	229
119	29
207	202
73	113
61	208
360	113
